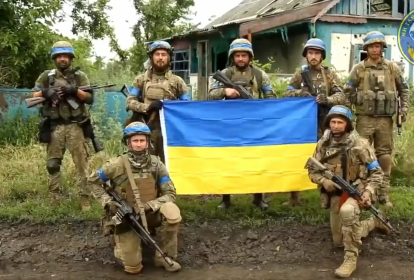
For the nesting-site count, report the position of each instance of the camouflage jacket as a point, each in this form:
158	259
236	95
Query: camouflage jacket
113	171
80	79
332	87
357	76
361	159
217	90
175	87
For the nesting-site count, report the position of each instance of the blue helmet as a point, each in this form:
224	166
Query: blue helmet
317	44
339	111
372	38
135	128
160	45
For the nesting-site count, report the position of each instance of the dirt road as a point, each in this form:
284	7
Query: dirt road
210	252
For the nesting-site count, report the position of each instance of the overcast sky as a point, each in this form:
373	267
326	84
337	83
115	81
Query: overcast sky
123	17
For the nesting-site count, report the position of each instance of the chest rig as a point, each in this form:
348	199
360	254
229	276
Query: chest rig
62	110
158	87
319	80
250	79
377	92
344	163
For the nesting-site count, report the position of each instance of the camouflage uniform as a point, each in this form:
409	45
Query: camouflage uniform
326	84
372	89
363	171
256	81
155	189
64	121
151	87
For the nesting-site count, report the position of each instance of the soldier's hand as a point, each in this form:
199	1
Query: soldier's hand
328	185
155	106
112	206
366	199
321	99
50	94
232	93
69	90
403	116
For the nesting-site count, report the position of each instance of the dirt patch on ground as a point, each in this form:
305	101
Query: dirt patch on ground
211	251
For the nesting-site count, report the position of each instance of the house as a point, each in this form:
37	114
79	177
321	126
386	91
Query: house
280	28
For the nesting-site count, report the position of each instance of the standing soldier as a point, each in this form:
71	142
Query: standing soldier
256	81
351	157
314	79
373	87
156	84
62	125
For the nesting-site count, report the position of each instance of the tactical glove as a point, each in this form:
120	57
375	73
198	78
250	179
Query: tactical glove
50	95
69	90
322	99
155	106
112	206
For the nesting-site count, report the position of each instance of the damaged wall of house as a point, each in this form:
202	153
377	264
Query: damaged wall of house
344	43
392	8
286	53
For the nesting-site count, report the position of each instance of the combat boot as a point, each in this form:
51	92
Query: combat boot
85	204
225	203
293	200
160	262
348	266
259	202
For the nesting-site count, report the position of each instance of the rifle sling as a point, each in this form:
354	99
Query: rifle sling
140	207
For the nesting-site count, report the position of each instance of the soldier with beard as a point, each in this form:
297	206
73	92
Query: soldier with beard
256	81
372	88
156	84
314	79
62	123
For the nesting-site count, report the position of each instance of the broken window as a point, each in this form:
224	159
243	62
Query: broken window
380	7
180	64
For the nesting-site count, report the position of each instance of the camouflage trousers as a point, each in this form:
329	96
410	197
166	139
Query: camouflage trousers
346	227
379	131
127	244
68	136
157	144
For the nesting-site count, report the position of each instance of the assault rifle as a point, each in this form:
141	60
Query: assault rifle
343	185
323	109
33	101
244	94
127	213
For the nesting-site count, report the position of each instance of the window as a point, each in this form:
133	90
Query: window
180	64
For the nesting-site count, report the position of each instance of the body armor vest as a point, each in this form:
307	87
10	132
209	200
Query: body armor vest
245	79
319	80
62	110
145	179
377	92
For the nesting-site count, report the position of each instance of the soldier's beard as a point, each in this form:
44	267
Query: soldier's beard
62	66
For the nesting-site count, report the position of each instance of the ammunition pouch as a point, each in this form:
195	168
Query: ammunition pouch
45	131
380	103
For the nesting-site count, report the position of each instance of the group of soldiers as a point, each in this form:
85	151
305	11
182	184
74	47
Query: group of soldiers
140	177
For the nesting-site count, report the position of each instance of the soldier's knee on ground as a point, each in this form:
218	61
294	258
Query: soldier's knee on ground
53	165
127	251
171	213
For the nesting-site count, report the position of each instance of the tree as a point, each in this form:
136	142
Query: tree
158	19
26	35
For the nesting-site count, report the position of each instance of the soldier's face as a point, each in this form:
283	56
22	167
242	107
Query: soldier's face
138	142
314	57
374	50
337	126
160	58
62	61
241	59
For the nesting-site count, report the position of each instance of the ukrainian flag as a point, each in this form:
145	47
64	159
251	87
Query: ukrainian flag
239	146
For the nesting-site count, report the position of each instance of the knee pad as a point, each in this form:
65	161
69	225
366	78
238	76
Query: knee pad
53	165
171	212
348	215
